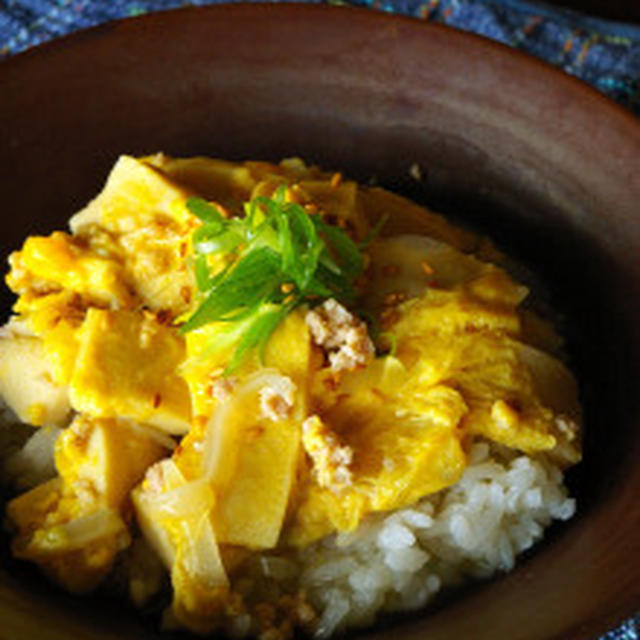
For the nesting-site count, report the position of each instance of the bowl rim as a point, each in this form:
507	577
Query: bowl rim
125	23
581	90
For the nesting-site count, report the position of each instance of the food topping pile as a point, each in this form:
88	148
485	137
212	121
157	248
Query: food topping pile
239	358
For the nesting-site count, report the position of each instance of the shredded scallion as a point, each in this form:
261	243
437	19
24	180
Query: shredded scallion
275	258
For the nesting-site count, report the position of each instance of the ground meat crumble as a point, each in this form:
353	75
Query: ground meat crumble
331	459
342	335
277	399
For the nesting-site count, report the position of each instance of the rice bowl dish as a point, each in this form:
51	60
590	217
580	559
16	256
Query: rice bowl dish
385	420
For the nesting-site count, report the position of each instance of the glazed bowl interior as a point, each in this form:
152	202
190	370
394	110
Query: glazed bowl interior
504	144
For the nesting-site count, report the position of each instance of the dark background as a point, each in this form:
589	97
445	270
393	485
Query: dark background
624	10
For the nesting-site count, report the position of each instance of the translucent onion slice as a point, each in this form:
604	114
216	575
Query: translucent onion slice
558	390
186	501
147	431
201	559
409	263
224	430
176	521
554	382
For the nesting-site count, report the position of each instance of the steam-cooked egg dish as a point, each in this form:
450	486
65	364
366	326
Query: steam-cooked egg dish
273	401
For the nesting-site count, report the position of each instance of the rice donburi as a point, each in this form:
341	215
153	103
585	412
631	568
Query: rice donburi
243	390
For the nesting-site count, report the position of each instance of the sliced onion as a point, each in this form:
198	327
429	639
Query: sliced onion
147	431
554	382
409	255
192	498
222	434
201	559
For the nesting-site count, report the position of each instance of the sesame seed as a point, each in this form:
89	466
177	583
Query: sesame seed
427	269
395	297
185	292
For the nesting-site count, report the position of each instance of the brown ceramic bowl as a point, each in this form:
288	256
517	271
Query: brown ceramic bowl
546	165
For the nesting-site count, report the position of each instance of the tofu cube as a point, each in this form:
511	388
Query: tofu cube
126	367
27	385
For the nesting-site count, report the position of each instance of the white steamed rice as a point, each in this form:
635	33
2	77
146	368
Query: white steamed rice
400	561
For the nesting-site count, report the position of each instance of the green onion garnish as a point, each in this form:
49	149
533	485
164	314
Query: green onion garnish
277	257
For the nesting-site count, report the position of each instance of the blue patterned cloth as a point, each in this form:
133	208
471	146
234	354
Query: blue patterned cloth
602	53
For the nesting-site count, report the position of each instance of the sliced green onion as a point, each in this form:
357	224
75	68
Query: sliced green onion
273	244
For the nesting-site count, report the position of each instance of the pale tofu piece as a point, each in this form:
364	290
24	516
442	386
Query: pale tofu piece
251	460
165	496
110	456
141	217
27	383
251	511
134	194
126	367
251	445
72	526
55	318
155	533
175	518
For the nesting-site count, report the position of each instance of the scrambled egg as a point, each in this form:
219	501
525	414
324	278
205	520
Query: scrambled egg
289	448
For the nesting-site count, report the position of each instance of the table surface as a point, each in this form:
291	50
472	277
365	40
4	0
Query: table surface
597	41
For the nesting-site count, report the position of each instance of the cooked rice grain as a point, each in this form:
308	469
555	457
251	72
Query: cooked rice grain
399	562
